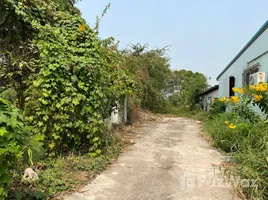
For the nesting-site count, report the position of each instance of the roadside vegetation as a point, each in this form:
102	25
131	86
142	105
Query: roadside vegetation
62	173
243	135
59	83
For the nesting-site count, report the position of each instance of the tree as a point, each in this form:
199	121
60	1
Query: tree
150	70
17	52
187	87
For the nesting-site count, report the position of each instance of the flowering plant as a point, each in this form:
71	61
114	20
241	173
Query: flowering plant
260	96
240	104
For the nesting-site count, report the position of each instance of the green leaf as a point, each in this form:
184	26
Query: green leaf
55	136
76	101
44	102
98	151
45	94
3	131
38	137
36	83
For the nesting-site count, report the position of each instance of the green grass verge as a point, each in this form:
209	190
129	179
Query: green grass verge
247	145
67	173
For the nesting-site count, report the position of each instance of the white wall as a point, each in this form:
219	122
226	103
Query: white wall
207	98
254	50
259	47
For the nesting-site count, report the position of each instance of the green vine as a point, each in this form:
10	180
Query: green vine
79	79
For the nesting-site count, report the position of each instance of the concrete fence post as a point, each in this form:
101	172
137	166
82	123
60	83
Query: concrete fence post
125	109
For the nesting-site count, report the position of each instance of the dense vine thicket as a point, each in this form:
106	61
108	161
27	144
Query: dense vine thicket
69	80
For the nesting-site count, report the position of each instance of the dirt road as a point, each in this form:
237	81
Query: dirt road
169	160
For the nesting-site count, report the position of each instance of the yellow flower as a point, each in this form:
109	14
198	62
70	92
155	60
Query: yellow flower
235	99
236	90
252	87
261	87
231	126
226	122
82	27
242	91
51	145
257	98
223	99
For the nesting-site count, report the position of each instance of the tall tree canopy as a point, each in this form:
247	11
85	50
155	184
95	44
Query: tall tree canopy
150	70
187	87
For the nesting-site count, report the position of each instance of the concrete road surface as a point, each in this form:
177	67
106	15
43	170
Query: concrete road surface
169	160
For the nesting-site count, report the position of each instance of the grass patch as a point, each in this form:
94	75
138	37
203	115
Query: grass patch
196	114
247	146
63	174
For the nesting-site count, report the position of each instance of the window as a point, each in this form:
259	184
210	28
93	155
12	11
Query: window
231	85
247	72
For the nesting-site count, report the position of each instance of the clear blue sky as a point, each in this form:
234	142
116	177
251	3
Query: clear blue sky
203	36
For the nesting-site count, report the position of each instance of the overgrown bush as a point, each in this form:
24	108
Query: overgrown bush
162	105
9	94
70	79
16	143
217	107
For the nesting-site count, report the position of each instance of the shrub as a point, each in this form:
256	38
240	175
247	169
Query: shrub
162	105
9	94
77	84
247	113
15	143
217	107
